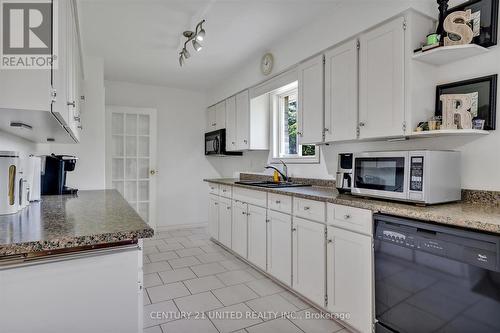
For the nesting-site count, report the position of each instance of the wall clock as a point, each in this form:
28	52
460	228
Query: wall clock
266	64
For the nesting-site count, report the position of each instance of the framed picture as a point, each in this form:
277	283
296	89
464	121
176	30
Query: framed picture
485	14
484	93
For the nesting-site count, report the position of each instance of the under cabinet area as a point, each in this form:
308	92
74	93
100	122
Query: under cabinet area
322	251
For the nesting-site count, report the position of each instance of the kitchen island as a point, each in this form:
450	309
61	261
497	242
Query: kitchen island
72	263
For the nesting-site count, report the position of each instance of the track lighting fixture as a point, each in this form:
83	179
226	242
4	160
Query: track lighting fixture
195	37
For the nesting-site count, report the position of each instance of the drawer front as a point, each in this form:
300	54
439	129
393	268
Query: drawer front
213	188
350	218
257	198
225	191
309	209
279	202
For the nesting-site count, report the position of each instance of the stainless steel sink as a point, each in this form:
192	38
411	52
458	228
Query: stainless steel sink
270	184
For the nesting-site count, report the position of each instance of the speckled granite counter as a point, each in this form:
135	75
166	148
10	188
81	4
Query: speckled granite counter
484	217
64	222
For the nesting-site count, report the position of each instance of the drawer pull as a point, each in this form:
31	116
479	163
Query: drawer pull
248	214
330	241
268	220
228	208
278	202
347	216
216	203
224	191
294	229
243	213
307	208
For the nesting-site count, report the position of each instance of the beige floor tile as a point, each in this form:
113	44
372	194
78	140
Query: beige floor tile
151	280
162	256
234	294
149	242
183	262
315	325
156	267
208	269
150	250
256	273
145	259
279	325
189	326
180	233
295	300
232	265
203	284
169	247
211	257
224	323
198	303
235	277
154	329
193	251
212	248
176	275
145	298
166	292
271	306
265	287
160	313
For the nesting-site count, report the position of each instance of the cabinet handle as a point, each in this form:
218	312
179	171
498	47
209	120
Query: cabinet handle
80	127
248	214
299	133
307	208
347	216
73	104
224	191
233	143
326	130
77	118
267	220
228	208
245	141
294	229
330	241
278	202
361	124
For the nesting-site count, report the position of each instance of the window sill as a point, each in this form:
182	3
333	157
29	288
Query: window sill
296	160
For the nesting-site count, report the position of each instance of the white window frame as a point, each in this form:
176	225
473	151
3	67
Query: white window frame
277	129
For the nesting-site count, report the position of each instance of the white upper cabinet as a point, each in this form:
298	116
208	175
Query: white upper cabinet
220	115
310	103
231	129
242	120
341	92
381	103
211	121
350	278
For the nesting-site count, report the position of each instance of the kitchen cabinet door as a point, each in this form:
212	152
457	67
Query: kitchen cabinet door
257	236
243	120
341	92
225	222
239	228
310	110
231	129
213	217
220	115
211	121
279	246
309	254
349	277
381	96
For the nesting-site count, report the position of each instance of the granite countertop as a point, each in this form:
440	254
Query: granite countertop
68	221
477	216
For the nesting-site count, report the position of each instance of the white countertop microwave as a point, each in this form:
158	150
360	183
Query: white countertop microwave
420	176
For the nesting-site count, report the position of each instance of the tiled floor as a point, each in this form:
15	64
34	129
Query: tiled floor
194	285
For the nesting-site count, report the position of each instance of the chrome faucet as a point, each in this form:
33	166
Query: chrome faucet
283	174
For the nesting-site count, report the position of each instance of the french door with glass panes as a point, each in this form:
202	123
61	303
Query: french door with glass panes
131	157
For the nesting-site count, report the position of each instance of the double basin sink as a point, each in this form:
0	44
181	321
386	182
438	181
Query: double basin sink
270	184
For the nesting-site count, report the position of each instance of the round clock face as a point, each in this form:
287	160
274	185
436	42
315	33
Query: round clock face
266	64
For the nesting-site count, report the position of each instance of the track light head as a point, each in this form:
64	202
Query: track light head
200	35
197	46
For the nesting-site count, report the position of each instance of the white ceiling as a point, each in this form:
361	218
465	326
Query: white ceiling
140	40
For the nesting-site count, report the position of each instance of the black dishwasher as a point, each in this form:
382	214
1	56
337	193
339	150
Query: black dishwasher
433	278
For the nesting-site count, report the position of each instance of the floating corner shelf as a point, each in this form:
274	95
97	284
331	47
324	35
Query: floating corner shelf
450	132
449	54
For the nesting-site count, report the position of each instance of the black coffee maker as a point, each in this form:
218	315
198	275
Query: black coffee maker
54	170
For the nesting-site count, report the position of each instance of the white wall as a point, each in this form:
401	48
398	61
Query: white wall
9	142
480	156
181	164
89	173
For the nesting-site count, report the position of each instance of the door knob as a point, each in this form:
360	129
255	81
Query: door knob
361	124
152	172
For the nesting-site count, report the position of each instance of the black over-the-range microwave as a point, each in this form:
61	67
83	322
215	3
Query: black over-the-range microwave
215	144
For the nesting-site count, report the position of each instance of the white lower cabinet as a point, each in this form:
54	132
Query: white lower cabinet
279	246
213	216
239	228
309	269
349	276
225	222
257	230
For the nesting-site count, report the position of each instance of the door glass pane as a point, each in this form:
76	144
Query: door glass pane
131	146
117	145
118	168
143	193
143	168
143	210
143	127
131	124
118	186
131	191
130	168
143	146
117	120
